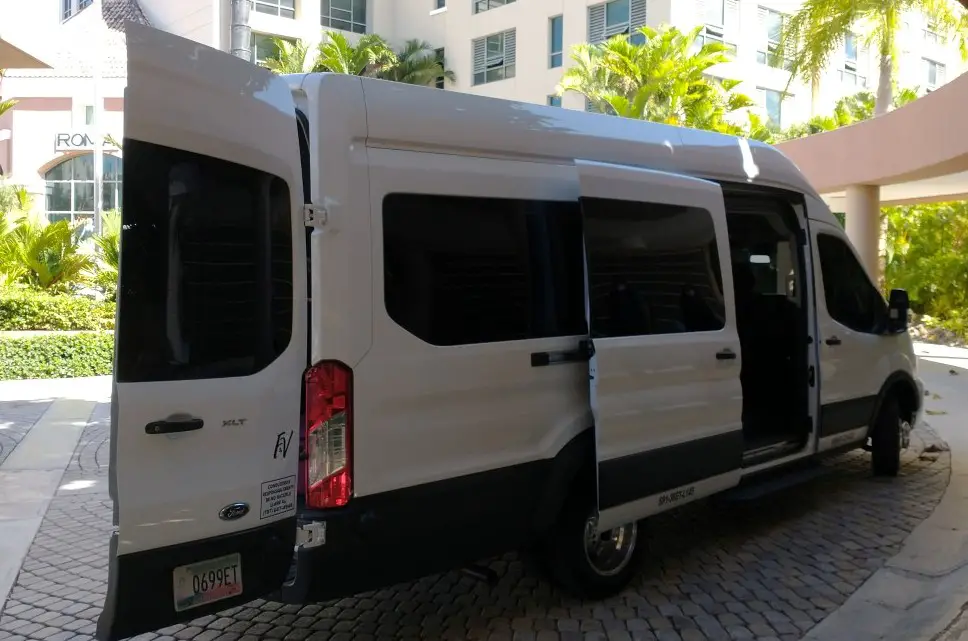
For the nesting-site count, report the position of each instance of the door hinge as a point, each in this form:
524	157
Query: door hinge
315	215
311	535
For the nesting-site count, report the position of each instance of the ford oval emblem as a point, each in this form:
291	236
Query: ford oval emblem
234	511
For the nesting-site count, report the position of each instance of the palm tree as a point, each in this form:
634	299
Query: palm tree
847	111
290	57
370	56
417	64
48	255
812	35
663	79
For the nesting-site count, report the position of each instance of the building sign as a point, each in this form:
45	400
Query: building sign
79	141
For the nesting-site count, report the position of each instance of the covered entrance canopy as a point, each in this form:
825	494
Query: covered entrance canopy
918	153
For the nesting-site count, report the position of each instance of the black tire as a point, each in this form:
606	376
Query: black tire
886	439
570	566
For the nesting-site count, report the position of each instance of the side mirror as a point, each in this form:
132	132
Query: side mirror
897	311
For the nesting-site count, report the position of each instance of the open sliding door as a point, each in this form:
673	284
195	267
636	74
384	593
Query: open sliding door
665	384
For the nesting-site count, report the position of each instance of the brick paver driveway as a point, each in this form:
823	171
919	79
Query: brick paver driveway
766	569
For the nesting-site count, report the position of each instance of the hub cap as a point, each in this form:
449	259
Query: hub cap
609	552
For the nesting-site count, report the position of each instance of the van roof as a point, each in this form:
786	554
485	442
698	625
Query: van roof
401	115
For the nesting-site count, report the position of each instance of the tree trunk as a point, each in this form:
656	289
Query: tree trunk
814	95
885	89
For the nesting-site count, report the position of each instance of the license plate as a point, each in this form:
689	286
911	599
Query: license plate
207	581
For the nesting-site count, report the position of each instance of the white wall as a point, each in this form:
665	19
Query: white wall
194	19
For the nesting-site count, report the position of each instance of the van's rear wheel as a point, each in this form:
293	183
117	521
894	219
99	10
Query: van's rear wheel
588	564
886	439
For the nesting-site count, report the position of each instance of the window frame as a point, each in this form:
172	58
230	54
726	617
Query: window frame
765	92
253	45
769	57
74	215
553	100
488	5
556	56
275	8
939	69
486	67
326	19
70	8
441	54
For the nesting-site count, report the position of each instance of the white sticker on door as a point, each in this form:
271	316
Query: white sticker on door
278	497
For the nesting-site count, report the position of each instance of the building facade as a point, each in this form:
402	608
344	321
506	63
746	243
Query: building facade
515	49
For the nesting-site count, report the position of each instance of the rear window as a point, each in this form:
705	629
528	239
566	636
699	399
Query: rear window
206	267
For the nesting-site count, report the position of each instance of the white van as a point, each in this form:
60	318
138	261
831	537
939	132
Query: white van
370	331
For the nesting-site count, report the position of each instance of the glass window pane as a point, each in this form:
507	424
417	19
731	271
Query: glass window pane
556	60
643	280
341	25
359	27
359	11
850	47
345	5
851	298
111	167
86	221
53	218
58	196
774	25
83	196
714	12
616	13
83	167
556	34
59	172
509	71
108	191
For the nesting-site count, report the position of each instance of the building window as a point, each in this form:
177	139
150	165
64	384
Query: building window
344	15
88	115
263	47
771	100
554	100
281	8
70	8
440	4
494	57
715	11
439	53
934	73
616	17
850	75
555	41
771	26
931	33
714	18
70	189
481	6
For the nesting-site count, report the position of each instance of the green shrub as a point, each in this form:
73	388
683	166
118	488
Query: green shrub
57	355
26	310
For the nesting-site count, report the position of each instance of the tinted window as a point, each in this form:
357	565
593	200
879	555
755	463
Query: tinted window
652	269
206	267
460	270
852	300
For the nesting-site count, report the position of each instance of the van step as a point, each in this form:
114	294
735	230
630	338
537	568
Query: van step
757	488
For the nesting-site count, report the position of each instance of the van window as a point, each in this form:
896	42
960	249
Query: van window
652	269
463	270
851	298
206	271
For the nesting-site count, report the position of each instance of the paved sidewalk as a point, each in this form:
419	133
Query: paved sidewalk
922	592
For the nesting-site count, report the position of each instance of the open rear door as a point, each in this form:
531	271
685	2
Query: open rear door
666	392
211	337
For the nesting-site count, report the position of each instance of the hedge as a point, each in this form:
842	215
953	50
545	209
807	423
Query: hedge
29	310
56	355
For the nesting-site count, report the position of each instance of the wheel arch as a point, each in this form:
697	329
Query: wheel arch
900	385
572	464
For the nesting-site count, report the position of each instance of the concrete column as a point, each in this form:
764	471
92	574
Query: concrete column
863	214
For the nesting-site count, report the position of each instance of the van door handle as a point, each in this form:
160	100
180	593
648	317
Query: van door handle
725	355
833	340
174	426
584	352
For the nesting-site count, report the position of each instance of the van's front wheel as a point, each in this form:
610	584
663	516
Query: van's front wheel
588	564
886	439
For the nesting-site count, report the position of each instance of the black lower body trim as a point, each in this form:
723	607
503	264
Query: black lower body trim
404	534
843	416
141	587
636	476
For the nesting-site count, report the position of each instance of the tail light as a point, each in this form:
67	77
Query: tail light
329	434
